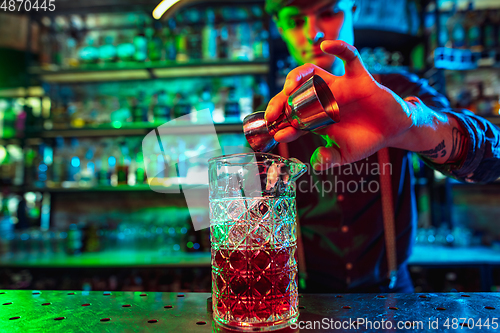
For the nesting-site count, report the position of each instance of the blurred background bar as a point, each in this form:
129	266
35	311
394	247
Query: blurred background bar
81	86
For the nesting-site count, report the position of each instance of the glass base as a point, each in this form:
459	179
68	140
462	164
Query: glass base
257	327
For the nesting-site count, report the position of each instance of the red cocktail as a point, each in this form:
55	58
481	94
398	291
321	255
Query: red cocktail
256	286
254	242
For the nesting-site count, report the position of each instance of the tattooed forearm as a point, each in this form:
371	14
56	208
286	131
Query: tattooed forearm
459	147
457	150
439	151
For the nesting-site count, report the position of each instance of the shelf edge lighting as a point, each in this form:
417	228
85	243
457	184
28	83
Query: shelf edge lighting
163	7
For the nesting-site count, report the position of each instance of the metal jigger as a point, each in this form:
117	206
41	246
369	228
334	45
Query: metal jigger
312	106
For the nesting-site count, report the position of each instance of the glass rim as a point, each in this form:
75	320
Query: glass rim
247	154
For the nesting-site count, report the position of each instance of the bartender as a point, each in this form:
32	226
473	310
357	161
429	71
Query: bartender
342	225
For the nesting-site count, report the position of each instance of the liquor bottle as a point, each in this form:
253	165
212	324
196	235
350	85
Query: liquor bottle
59	47
260	41
473	21
242	43
74	241
140	109
122	171
17	157
140	42
181	106
6	227
456	28
169	41
121	112
103	173
123	164
6	167
58	167
77	27
496	106
222	41
113	176
126	48
8	121
488	31
40	167
107	50
260	94
245	97
87	174
220	101
232	106
140	174
156	52
483	104
209	39
89	54
193	34
161	108
74	165
496	20
205	102
91	238
45	42
71	54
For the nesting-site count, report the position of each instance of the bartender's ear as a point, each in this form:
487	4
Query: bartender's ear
276	21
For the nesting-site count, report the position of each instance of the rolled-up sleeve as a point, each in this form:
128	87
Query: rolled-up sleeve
482	162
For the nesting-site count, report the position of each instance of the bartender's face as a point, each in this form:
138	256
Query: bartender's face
303	29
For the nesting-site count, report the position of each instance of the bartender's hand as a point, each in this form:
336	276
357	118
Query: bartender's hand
372	117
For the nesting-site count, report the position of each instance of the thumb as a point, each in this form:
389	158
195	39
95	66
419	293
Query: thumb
348	53
325	158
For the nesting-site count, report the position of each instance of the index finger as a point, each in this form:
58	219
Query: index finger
275	107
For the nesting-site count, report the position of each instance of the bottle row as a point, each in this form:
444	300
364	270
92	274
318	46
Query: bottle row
229	100
154	241
477	30
71	42
25	235
89	163
477	91
379	60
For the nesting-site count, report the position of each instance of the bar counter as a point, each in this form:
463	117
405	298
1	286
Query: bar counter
83	311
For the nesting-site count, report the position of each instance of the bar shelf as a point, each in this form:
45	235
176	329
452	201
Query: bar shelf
131	129
146	71
120	188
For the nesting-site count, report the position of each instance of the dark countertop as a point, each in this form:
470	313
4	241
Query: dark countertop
77	311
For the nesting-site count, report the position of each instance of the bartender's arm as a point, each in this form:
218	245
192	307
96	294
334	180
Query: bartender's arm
374	117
